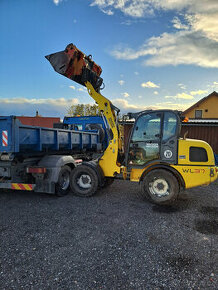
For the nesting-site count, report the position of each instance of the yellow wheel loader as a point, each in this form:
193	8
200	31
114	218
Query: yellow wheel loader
156	157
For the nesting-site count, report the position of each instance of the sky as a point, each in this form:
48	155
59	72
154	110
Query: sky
154	54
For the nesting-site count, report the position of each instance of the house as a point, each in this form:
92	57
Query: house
203	121
38	120
206	108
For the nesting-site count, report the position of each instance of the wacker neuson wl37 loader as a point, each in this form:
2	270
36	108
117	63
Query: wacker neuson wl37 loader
156	157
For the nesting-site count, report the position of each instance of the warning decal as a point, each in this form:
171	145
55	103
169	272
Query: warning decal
4	138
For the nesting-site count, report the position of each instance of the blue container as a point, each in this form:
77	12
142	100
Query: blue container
18	138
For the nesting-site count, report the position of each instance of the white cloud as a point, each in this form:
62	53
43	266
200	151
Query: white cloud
72	87
182	47
205	23
199	92
133	8
183	96
82	90
149	84
121	82
56	2
156	93
107	11
57	102
182	86
126	95
46	107
214	85
141	8
194	43
126	53
178	24
125	106
172	106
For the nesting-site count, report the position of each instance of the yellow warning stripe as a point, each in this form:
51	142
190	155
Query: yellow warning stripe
15	186
21	186
28	186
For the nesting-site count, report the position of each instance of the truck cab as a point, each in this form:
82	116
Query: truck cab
87	123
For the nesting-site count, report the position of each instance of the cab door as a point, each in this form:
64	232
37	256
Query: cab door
154	137
145	140
169	139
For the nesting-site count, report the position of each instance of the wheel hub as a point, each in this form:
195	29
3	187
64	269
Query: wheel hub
159	187
84	181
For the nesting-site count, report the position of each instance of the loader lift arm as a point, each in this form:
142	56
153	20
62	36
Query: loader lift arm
108	162
75	65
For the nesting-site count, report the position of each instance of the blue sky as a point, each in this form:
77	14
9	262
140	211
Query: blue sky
154	53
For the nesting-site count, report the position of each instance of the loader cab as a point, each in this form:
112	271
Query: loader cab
154	138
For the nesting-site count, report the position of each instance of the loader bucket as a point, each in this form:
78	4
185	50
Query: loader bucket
75	65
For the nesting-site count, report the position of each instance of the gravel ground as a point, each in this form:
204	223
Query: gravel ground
114	240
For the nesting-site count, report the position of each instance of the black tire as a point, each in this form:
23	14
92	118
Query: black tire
62	187
160	186
108	181
84	181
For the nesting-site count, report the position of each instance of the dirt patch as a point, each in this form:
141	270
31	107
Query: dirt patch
181	262
211	211
165	208
207	227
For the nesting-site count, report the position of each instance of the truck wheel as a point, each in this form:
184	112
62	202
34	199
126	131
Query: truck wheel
160	186
84	181
63	185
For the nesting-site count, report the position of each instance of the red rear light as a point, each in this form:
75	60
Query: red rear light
38	170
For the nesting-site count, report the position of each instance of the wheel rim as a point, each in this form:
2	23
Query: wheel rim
159	187
84	181
64	180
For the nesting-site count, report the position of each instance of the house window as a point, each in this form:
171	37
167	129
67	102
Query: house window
198	114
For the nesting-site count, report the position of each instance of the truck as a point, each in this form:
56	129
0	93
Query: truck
41	159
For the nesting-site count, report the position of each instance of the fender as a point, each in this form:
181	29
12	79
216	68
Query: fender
54	164
168	168
97	169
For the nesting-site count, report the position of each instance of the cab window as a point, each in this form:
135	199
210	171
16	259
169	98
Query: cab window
145	141
77	127
147	128
170	125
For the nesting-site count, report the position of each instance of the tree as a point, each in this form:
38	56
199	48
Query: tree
83	110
